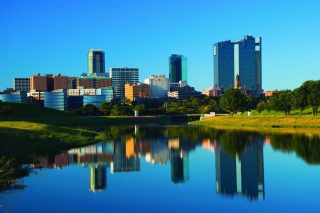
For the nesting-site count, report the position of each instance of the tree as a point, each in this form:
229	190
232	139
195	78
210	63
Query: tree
314	95
300	98
127	100
260	106
140	108
6	110
282	101
89	109
121	110
106	108
232	100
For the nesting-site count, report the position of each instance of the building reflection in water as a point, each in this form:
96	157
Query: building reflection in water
97	157
179	159
124	157
241	174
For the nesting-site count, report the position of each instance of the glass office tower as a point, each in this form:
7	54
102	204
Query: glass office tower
241	57
96	62
178	68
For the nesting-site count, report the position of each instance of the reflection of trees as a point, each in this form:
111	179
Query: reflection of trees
233	142
11	173
190	133
306	147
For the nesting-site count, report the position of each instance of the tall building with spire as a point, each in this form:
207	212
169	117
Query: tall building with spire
243	58
178	68
96	63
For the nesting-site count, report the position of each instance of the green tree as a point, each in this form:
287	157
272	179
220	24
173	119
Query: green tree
282	101
89	109
232	100
140	108
260	106
106	108
127	100
118	110
314	95
300	98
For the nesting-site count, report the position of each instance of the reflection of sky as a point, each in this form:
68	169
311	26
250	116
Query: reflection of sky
290	185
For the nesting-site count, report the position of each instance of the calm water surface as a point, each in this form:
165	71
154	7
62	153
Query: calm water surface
175	169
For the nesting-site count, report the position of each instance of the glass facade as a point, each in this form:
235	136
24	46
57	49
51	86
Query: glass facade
178	68
56	99
120	77
17	97
107	92
96	63
242	57
96	100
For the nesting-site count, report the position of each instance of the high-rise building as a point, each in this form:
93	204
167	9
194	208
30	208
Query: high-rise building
243	58
120	77
178	68
96	61
159	86
21	84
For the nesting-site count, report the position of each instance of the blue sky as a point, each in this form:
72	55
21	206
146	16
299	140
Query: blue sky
49	36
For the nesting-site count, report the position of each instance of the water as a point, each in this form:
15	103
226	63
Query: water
175	169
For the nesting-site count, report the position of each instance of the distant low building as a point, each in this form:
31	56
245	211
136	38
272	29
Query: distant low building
17	97
182	93
213	91
269	93
57	99
137	90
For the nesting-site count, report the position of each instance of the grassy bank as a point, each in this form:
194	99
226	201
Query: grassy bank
40	115
266	120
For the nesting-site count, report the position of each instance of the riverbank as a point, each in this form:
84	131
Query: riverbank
264	122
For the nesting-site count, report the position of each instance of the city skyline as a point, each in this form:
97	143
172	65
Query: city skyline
37	38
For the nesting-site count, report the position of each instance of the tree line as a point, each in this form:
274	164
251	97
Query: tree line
232	101
301	98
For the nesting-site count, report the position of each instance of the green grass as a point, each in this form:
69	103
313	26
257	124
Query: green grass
267	120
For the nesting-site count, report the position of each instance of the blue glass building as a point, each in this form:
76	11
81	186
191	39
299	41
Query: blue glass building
242	57
96	100
17	97
108	92
57	99
178	68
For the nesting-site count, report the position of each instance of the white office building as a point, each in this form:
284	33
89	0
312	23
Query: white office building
159	86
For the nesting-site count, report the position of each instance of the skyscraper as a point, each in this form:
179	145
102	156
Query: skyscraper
96	62
120	77
178	68
243	58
